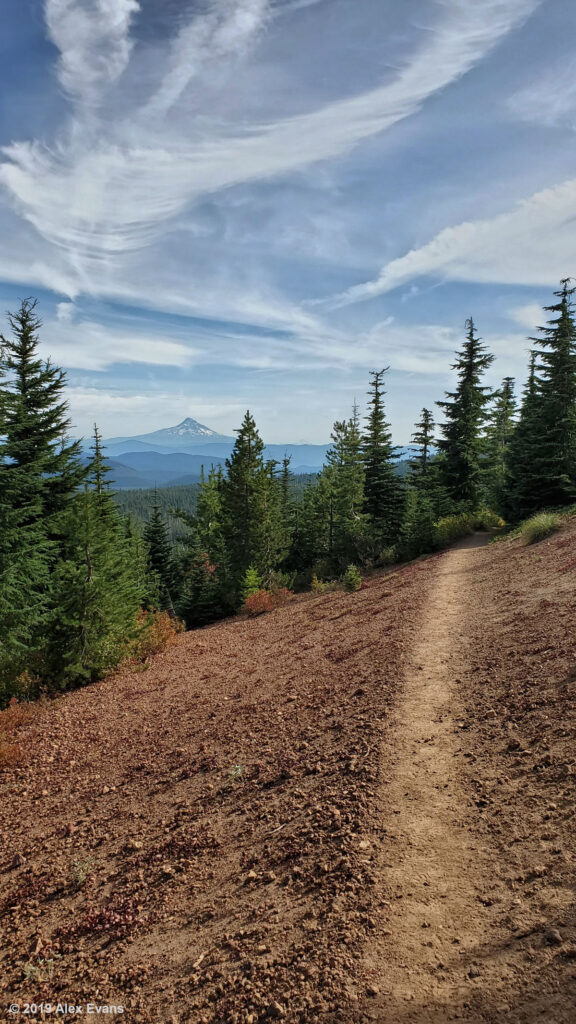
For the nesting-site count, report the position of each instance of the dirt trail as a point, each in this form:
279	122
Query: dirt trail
433	869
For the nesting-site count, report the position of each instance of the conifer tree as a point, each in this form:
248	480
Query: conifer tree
46	467
522	494
499	431
286	503
251	507
97	590
160	561
556	455
383	490
423	440
40	471
344	476
465	413
207	590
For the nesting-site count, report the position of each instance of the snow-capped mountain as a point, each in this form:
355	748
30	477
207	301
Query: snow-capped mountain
186	434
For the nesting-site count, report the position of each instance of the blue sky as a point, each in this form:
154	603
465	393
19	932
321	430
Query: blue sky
224	204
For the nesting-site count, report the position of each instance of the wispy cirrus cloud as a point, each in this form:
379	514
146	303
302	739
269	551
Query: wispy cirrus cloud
226	31
114	185
550	98
532	244
83	344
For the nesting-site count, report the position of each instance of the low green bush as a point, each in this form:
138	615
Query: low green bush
486	519
352	579
540	526
452	528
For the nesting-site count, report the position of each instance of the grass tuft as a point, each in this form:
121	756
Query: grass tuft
540	526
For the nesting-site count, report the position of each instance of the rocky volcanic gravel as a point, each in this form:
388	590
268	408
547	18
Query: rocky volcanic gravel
193	841
200	841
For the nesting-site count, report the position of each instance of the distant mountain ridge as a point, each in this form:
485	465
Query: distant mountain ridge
177	455
188	433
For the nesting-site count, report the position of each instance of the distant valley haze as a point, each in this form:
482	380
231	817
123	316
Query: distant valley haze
179	455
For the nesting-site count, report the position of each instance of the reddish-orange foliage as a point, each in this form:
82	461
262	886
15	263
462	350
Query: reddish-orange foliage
266	601
12	719
159	630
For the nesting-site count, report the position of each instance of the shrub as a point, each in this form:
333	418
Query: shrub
263	601
12	719
157	631
317	586
280	581
452	528
352	579
252	582
486	519
540	526
258	602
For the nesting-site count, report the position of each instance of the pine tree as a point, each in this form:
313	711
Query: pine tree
208	590
286	503
251	507
498	436
556	454
383	490
465	412
40	472
35	451
344	475
97	590
160	561
417	533
423	440
523	485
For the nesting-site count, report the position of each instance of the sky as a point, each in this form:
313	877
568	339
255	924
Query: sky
232	204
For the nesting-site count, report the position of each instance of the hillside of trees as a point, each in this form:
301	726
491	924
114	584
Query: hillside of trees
138	504
81	585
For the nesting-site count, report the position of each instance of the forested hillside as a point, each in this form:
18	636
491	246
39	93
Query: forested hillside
81	589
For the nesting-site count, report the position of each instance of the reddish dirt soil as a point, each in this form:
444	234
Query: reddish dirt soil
358	807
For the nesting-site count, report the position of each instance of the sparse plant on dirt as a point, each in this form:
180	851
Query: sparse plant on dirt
81	869
540	526
352	579
42	970
236	773
30	971
316	585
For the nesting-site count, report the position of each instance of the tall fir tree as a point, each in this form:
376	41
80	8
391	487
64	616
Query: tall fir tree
522	482
423	449
160	560
208	590
251	508
40	472
498	436
461	444
556	453
98	586
383	490
345	475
